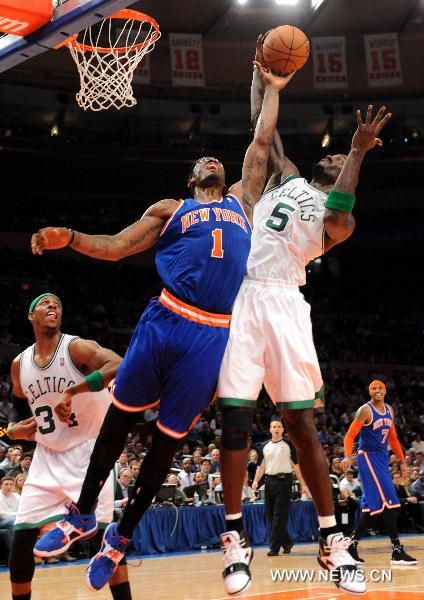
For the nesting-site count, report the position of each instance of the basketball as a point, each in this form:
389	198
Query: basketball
285	49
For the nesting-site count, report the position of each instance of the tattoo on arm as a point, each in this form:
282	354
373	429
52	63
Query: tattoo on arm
154	228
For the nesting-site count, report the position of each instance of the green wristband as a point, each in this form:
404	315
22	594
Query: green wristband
342	201
95	381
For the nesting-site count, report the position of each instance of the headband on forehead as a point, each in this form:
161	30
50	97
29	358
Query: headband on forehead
38	298
377	382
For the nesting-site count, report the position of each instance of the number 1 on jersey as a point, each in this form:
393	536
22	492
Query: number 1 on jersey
217	251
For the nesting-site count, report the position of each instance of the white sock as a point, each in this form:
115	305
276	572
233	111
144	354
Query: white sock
325	522
233	517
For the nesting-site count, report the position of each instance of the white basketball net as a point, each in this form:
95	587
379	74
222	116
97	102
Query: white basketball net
106	77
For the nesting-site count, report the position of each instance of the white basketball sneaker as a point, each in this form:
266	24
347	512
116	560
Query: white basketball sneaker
238	554
334	556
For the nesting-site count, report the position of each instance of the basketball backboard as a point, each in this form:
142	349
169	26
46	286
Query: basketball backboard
70	17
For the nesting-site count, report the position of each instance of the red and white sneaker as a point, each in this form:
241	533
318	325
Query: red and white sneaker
334	556
238	554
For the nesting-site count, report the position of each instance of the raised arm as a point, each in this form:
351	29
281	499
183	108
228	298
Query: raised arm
339	223
254	171
279	166
138	237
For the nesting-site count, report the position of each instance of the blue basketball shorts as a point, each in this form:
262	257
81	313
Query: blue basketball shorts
173	363
378	491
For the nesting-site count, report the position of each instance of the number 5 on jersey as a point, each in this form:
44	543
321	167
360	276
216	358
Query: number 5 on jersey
279	218
217	250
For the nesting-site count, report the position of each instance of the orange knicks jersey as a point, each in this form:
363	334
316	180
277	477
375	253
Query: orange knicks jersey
202	253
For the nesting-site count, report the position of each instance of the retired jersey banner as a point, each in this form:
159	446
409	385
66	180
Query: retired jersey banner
187	59
329	57
142	72
383	59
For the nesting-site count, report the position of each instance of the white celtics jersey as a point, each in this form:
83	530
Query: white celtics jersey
43	386
288	231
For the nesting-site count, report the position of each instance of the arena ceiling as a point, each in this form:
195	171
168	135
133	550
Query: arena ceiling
229	33
42	88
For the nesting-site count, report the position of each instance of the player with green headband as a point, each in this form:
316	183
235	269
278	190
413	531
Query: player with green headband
60	399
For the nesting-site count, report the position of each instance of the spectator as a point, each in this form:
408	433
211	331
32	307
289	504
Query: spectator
19	483
186	476
135	468
9	461
205	468
417	444
24	465
335	468
247	492
122	462
251	466
122	489
417	489
408	512
217	495
348	483
179	496
9	503
5	406
215	454
197	460
138	450
199	486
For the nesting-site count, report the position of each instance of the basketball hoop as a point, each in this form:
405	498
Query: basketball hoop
107	54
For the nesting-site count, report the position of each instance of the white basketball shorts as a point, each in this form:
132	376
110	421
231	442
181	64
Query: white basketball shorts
270	343
54	480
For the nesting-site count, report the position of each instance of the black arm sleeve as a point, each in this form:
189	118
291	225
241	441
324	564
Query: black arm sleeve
20	410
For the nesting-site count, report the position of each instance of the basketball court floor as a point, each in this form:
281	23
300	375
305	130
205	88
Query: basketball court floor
197	576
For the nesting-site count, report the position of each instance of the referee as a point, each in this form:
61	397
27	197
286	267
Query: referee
277	461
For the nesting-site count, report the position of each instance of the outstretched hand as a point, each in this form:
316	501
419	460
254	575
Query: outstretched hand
271	79
50	238
366	135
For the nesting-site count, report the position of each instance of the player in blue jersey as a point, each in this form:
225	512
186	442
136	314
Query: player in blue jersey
374	421
176	350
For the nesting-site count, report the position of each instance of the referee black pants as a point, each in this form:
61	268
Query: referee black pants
278	493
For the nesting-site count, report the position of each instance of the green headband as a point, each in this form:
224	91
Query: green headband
38	298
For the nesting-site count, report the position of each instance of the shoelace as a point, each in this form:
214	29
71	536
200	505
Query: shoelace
340	546
233	551
66	527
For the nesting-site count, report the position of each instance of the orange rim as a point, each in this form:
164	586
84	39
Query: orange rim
128	14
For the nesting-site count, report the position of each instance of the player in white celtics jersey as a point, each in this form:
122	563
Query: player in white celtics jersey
45	377
271	339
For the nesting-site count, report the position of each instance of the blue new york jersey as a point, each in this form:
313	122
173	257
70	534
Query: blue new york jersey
373	464
202	253
374	437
